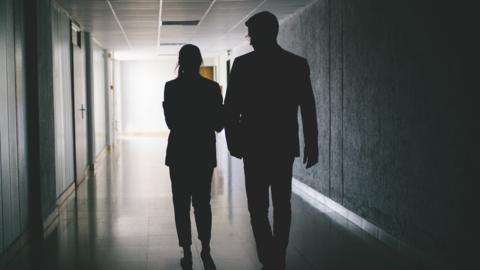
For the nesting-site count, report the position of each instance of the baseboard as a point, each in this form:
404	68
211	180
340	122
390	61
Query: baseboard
51	221
320	201
7	256
100	157
87	173
66	194
49	225
145	134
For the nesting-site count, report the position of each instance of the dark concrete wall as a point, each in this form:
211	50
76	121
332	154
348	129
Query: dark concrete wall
394	92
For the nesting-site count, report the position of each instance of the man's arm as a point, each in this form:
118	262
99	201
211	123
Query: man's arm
309	119
218	118
233	112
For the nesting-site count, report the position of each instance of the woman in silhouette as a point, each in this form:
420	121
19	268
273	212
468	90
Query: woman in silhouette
192	106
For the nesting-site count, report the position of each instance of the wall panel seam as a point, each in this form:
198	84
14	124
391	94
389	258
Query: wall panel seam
342	96
15	34
329	97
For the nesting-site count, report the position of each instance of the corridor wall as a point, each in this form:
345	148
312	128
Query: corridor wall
35	43
99	69
62	88
55	112
393	84
13	153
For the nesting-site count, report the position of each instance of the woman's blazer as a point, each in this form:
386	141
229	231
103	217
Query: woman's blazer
193	112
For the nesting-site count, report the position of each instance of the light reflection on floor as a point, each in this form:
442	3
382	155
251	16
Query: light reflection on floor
123	219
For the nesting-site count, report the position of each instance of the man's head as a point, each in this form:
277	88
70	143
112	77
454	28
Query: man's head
262	29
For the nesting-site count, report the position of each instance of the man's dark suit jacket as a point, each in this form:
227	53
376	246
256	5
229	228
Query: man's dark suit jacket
193	111
262	100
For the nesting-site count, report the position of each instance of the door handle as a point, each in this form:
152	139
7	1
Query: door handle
83	109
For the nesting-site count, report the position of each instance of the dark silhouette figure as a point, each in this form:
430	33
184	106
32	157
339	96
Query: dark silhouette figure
193	108
266	88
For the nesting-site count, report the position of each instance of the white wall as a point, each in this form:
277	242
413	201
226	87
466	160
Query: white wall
142	83
117	101
99	98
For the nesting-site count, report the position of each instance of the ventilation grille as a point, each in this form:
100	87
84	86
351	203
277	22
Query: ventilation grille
171	44
184	23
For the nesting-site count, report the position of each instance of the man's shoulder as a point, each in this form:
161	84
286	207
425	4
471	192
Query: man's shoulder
293	58
244	58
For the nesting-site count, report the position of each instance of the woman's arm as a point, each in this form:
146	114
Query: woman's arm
167	106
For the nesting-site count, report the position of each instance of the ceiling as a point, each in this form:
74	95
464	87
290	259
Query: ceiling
134	25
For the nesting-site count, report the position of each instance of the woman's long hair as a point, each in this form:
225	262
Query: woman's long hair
189	60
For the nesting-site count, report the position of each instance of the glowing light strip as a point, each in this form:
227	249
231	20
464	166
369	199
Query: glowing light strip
204	16
247	16
324	204
119	24
160	11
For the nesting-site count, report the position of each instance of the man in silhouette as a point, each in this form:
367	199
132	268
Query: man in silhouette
266	88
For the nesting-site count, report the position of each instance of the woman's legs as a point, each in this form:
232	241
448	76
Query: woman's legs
201	204
203	213
181	192
193	185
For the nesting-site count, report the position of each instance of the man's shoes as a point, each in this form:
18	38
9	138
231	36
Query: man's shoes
208	263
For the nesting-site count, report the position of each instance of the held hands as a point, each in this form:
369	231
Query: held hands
310	155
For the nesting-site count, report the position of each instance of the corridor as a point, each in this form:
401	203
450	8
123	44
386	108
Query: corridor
376	100
123	219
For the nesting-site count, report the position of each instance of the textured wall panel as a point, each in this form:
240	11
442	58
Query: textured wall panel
398	98
307	36
336	99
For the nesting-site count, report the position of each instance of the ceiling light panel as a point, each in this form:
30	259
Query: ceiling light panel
184	10
225	14
222	28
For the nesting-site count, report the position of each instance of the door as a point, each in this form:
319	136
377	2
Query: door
207	72
80	103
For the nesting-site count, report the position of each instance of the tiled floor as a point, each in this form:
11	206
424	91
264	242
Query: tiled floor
123	219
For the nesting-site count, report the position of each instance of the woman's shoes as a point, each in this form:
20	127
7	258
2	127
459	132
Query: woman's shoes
186	263
208	263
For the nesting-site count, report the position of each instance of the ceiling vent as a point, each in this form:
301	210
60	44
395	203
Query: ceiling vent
181	23
172	44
